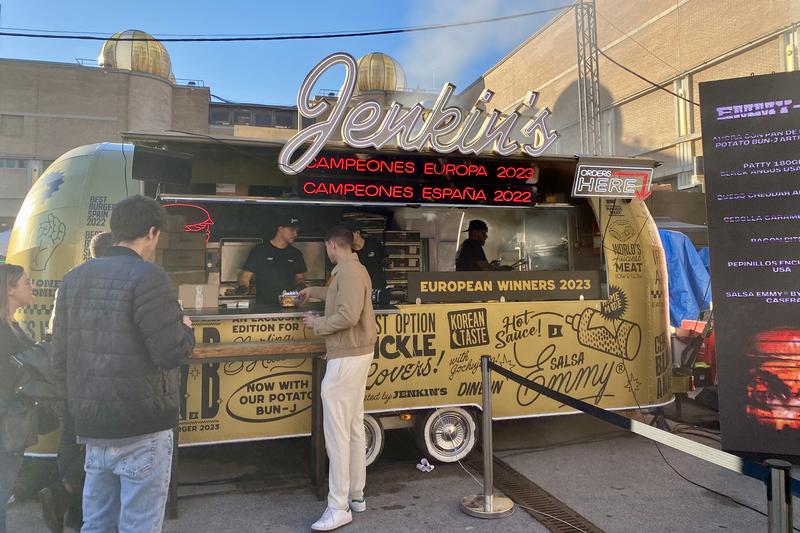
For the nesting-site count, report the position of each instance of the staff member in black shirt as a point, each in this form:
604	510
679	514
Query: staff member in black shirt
370	254
277	265
471	256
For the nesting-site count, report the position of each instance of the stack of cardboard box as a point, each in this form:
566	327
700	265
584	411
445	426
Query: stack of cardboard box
183	255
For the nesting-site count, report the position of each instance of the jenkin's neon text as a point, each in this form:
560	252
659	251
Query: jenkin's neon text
443	128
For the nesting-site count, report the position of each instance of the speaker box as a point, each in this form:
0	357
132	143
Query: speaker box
162	166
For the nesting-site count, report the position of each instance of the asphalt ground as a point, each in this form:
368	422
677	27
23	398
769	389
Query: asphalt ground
265	487
619	482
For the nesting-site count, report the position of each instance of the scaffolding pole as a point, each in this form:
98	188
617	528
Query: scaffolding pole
588	78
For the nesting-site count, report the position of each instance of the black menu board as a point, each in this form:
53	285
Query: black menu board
751	146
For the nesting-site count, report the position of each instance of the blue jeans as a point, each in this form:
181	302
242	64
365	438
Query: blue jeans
126	486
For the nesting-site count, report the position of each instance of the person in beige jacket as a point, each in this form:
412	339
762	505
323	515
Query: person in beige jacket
348	328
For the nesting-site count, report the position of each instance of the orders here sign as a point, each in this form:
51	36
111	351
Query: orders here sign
612	181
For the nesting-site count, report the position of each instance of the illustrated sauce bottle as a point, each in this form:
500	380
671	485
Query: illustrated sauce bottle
614	336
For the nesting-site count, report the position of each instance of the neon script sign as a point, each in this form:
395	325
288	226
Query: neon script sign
612	182
203	226
443	128
424	169
422	193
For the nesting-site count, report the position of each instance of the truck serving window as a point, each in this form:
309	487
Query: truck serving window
545	238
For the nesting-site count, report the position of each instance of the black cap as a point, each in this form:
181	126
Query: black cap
289	222
477	225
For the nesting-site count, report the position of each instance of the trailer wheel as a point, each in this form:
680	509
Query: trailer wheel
447	435
373	431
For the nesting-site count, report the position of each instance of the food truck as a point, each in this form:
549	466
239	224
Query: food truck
581	306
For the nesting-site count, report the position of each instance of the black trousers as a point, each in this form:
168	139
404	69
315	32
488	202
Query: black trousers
71	456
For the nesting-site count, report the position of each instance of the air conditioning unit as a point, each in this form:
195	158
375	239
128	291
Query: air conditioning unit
698	168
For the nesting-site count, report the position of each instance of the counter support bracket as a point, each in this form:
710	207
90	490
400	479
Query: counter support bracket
318	454
315	349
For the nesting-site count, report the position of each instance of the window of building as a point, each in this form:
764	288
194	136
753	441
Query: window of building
284	119
220	115
12	125
243	117
6	162
263	117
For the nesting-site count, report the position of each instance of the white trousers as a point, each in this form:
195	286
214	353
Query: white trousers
343	389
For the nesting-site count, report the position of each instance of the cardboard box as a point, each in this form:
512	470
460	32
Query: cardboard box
175	223
182	240
198	296
181	259
194	277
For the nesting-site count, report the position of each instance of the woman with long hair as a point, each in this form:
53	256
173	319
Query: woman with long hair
15	292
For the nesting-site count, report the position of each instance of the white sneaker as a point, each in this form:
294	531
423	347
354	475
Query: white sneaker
358	506
332	519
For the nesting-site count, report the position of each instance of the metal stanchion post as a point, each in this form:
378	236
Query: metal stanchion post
487	505
779	497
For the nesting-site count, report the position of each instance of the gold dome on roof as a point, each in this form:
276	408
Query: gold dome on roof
137	56
379	72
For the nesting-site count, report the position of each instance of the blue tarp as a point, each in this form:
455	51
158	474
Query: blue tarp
689	281
706	258
4	238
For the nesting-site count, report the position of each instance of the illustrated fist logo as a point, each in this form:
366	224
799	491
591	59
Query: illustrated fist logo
50	235
622	230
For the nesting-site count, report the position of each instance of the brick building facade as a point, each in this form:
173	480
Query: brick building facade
676	43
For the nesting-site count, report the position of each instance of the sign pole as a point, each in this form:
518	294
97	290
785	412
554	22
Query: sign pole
779	497
487	505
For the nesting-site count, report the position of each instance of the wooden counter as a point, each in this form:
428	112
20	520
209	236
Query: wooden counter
279	349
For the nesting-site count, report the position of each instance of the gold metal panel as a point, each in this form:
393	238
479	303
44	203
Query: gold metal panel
137	56
379	72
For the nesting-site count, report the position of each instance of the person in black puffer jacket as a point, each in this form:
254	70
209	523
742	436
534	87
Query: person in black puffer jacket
119	337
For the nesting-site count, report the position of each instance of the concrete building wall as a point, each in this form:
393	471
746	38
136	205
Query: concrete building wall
14	185
190	108
761	59
149	103
220	131
679	44
259	132
62	106
46	109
